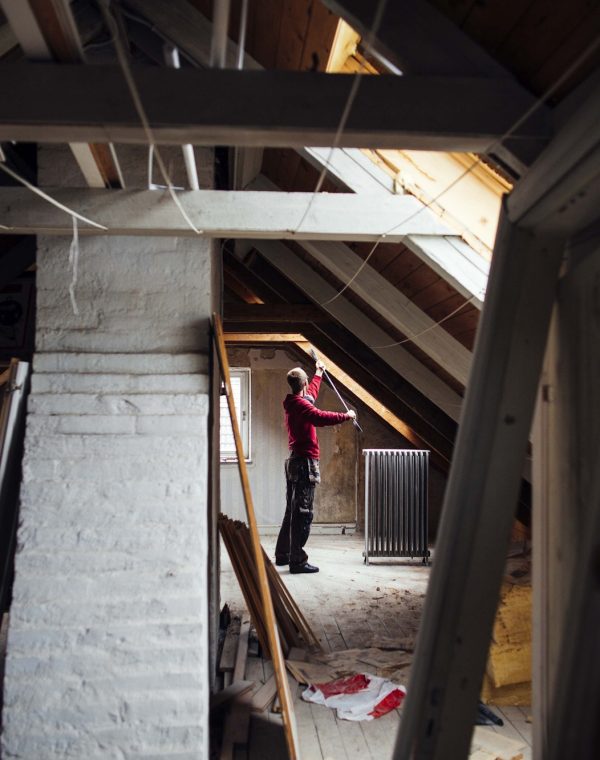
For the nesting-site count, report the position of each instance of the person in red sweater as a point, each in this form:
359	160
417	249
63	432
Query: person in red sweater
302	467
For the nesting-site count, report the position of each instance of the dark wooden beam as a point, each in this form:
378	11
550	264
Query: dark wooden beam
58	103
283	313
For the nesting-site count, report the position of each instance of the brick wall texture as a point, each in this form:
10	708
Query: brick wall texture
108	637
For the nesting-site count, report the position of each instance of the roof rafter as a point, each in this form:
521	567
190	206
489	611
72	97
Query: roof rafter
398	310
399	360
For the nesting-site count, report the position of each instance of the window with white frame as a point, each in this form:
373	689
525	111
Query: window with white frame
240	386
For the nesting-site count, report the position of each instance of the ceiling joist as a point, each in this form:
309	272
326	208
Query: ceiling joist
54	103
217	213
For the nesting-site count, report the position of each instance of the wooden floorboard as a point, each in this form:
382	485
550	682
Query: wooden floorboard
348	604
328	732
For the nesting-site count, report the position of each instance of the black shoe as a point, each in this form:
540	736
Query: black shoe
281	561
305	568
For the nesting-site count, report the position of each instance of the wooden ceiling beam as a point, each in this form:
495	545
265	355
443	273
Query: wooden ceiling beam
46	30
293	312
58	103
217	213
278	328
448	255
188	29
231	336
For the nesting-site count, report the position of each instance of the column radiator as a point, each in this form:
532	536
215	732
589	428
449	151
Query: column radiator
396	503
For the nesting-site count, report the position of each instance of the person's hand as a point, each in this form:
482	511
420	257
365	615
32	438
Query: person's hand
351	414
320	366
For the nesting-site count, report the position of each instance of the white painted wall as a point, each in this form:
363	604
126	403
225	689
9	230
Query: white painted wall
108	639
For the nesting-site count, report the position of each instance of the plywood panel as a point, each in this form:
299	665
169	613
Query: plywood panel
266	27
293	29
319	37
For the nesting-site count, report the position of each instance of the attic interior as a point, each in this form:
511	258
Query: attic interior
410	189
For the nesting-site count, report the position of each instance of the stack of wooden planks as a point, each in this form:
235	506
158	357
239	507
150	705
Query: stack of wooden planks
246	691
507	680
294	630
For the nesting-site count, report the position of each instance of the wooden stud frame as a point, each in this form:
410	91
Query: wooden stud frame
283	689
481	497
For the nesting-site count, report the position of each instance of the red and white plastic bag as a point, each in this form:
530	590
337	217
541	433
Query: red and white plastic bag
357	697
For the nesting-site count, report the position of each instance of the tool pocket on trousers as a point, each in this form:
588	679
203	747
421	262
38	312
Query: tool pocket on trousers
305	495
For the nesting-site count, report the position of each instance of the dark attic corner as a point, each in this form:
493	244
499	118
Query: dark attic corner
298	379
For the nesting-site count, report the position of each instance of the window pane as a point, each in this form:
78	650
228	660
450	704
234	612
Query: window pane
240	380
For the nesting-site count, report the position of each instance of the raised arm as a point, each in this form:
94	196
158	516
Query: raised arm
319	417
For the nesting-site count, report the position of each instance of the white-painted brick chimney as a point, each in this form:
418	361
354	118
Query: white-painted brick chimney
108	638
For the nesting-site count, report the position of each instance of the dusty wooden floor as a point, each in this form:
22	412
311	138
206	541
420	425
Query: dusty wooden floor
348	604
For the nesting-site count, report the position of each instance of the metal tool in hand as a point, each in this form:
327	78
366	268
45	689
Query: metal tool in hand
313	353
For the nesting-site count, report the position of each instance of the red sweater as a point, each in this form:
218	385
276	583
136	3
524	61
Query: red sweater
301	417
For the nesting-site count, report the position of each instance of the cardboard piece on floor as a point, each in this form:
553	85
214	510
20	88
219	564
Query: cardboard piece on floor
479	754
310	672
385	659
501	747
283	690
338	659
407	644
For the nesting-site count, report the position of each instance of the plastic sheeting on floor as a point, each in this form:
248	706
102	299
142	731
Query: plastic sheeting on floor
357	697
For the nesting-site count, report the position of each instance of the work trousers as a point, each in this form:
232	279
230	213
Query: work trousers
301	475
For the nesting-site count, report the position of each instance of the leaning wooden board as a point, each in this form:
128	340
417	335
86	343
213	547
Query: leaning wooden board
283	690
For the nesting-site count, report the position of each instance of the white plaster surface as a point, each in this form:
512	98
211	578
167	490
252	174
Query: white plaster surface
108	639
